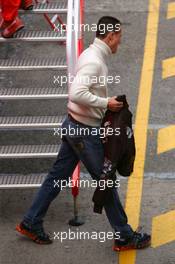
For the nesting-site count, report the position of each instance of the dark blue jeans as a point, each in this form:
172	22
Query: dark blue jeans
89	149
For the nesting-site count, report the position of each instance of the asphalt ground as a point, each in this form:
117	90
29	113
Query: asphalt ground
149	195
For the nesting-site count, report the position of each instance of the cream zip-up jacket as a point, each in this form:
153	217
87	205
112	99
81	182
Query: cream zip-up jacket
88	95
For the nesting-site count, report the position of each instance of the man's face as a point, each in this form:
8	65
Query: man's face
113	40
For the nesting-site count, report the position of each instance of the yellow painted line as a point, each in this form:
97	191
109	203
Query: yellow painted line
135	184
171	10
163	229
168	68
166	139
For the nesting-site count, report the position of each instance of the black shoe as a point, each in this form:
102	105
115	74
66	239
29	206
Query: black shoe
37	235
136	241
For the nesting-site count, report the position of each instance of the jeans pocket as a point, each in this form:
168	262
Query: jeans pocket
77	143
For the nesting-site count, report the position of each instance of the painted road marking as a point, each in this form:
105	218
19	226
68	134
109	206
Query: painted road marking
163	226
135	183
168	67
163	233
166	139
171	11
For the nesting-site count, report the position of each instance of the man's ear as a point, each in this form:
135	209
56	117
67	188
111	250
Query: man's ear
109	37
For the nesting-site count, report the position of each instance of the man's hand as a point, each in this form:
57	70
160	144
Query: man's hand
114	105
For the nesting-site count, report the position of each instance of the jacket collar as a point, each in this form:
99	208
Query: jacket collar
102	48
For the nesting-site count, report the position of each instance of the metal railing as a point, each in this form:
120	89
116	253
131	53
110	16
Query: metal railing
74	48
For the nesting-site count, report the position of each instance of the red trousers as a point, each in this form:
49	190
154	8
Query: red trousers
10	9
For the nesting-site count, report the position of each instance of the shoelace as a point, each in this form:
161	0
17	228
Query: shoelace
138	233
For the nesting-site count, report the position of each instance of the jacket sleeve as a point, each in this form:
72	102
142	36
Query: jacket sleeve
79	91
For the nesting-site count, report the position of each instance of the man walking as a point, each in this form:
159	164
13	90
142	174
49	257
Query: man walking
88	101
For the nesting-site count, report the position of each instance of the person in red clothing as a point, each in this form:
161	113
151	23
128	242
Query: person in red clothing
9	20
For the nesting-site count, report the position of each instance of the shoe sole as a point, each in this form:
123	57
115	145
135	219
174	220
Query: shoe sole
124	248
31	236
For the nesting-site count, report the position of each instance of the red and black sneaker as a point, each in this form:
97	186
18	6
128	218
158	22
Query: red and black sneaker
37	235
136	241
27	4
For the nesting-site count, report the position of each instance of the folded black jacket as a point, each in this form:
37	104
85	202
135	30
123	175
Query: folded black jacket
119	148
